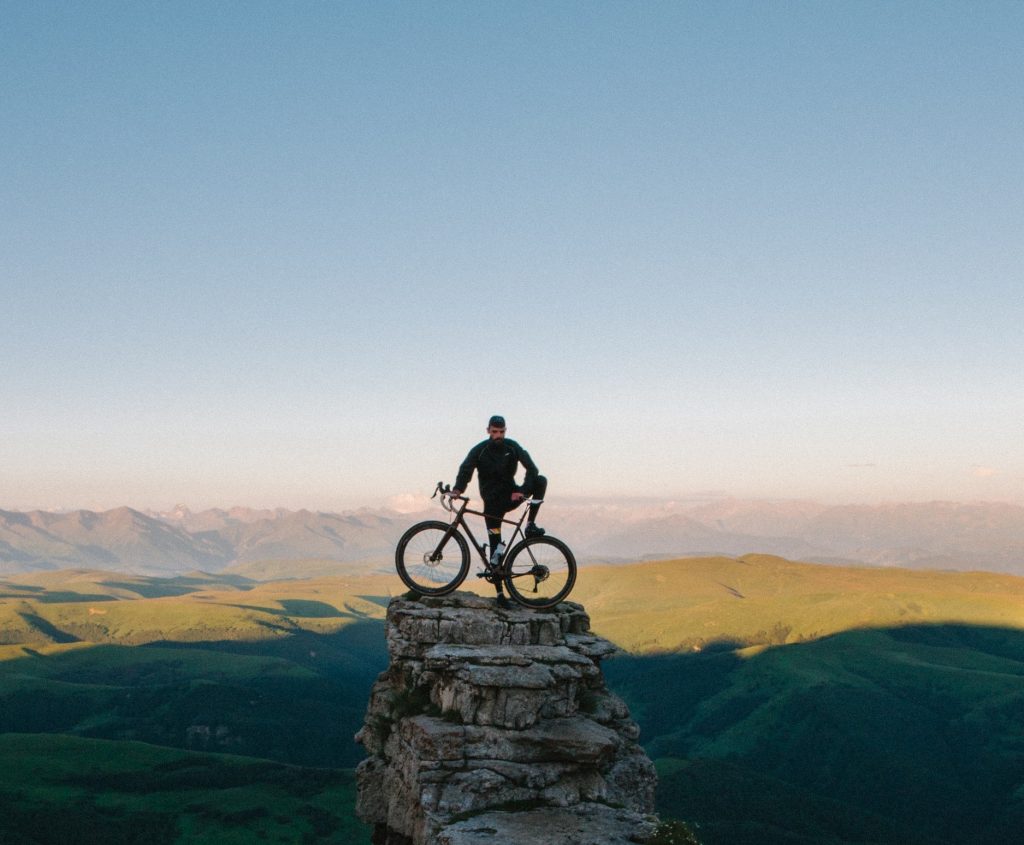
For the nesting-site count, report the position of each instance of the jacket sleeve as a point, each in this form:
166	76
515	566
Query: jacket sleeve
531	471
466	469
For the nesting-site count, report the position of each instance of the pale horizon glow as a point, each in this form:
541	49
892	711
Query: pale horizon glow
295	255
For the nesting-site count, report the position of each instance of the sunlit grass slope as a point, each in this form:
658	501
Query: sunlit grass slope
675	605
99	607
270	670
283	570
689	604
56	789
788	703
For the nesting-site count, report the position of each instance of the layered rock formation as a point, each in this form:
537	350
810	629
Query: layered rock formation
495	726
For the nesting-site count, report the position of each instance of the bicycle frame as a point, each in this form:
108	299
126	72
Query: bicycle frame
447	502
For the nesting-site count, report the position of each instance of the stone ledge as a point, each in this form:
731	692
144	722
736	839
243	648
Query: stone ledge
579	741
469	619
441	655
585	824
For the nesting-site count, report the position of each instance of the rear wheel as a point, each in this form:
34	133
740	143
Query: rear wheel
432	558
540	572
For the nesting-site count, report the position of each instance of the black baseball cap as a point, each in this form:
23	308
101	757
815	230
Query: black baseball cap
496	422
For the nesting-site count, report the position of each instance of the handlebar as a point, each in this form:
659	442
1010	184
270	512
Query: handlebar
447	496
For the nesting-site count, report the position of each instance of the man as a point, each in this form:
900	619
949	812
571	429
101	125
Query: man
496	460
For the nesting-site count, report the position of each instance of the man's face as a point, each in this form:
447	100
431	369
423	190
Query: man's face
496	434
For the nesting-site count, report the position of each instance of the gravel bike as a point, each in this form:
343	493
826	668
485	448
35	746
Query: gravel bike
432	557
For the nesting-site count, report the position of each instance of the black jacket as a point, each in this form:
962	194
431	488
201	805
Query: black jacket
496	464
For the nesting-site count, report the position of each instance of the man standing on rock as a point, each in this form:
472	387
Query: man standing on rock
496	460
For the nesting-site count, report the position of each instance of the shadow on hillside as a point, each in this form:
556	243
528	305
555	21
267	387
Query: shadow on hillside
360	644
309	609
156	588
179	585
297	698
48	629
52	597
303	609
895	735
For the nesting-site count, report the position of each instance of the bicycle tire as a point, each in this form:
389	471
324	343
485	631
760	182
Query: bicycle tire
546	557
420	571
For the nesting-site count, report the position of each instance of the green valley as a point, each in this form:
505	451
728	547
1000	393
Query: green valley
782	702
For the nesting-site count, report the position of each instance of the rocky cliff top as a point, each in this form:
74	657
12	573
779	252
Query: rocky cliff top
494	725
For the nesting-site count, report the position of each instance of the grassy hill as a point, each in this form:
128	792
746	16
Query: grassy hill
100	607
901	735
102	675
58	789
271	670
783	702
789	702
693	603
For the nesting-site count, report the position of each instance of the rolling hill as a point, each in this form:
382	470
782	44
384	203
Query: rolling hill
893	735
783	702
695	603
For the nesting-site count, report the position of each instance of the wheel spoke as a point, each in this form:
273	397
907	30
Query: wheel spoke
541	572
431	560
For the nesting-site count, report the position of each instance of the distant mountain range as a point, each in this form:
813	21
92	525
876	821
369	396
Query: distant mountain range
933	535
181	541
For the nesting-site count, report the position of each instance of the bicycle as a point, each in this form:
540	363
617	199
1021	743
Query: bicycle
432	557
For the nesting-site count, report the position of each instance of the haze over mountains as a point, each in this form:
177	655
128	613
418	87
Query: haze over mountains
180	541
935	535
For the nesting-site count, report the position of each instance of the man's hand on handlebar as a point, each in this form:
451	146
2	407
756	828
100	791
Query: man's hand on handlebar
446	492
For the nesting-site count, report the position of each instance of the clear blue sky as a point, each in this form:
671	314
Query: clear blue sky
295	254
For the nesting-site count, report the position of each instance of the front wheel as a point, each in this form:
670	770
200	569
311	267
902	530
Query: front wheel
540	572
432	558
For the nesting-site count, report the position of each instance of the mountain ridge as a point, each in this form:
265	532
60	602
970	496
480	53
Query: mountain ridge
931	535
